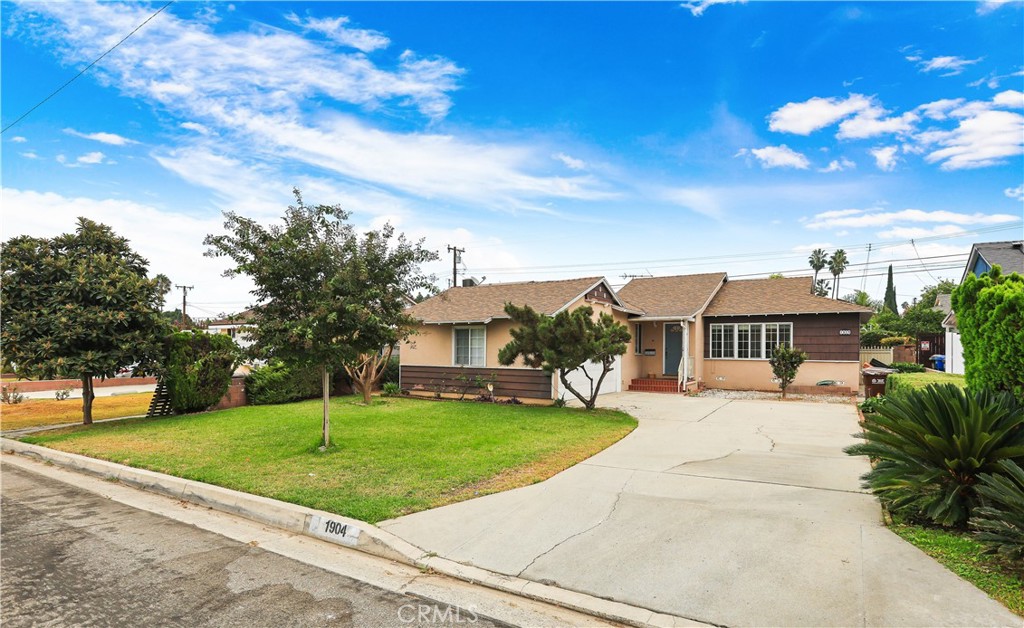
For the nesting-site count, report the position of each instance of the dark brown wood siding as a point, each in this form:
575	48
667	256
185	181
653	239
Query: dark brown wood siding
599	294
526	383
815	334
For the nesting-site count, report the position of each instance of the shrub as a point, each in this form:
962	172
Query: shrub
391	389
785	362
931	445
278	383
892	341
1000	521
198	369
907	367
10	395
990	316
559	403
390	372
871	404
62	394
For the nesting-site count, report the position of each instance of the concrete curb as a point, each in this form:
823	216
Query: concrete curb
366	538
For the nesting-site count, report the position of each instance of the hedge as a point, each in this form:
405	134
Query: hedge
278	383
899	382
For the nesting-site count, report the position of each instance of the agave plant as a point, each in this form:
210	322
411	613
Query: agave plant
1000	521
930	445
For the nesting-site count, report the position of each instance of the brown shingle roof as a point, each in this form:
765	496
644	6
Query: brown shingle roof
775	296
234	319
680	295
482	303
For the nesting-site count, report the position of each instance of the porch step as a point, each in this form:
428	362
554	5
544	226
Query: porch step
654	385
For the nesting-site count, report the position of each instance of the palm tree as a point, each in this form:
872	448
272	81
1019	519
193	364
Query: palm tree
817	260
836	266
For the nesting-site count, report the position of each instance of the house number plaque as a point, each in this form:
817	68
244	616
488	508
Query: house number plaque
334	531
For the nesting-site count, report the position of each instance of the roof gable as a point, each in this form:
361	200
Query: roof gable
752	297
480	304
676	296
1008	255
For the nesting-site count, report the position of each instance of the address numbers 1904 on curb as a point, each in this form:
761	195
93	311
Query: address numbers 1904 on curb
333	530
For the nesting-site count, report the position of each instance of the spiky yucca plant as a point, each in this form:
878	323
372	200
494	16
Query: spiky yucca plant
930	446
1000	521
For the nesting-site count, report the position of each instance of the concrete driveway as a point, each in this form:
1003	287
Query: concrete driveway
727	512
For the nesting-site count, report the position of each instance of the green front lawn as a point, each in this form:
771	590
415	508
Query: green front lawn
922	380
962	555
392	458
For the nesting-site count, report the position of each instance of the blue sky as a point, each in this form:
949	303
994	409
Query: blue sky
548	139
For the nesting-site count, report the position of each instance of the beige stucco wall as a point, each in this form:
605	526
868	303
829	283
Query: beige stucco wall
432	345
757	374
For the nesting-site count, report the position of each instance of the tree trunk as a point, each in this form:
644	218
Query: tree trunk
587	403
87	397
325	376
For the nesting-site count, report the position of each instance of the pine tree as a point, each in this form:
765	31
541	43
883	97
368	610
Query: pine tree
890	294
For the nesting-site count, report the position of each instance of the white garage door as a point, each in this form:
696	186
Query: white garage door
612	381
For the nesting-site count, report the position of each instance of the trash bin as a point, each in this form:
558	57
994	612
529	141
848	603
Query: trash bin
938	362
874	381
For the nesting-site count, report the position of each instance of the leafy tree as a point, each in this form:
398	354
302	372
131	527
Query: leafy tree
890	294
198	369
785	363
817	260
326	295
173	317
79	305
776	276
564	343
837	266
822	288
864	299
990	316
884	324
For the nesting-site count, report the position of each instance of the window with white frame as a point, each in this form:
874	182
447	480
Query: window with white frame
469	349
638	339
749	341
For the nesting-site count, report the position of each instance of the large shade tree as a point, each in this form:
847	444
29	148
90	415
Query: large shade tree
566	342
326	296
81	306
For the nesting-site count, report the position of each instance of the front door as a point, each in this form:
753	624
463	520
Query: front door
673	347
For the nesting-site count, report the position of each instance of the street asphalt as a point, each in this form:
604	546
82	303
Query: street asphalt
73	558
738	513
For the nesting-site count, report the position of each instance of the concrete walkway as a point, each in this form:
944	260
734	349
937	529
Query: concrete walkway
735	513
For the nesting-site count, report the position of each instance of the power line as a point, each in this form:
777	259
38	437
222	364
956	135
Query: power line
86	68
706	260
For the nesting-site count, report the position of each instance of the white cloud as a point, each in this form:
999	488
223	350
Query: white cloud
993	80
869	123
336	30
838	165
172	242
95	157
18	139
885	157
1011	99
988	6
698	7
195	126
778	157
860	218
267	68
106	138
948	65
940	109
257	99
704	201
803	118
29	155
911	233
570	162
985	139
1017	192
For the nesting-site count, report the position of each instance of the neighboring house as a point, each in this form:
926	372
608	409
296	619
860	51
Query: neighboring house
234	326
686	330
1009	256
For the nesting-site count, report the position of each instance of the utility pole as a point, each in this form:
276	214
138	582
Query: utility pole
455	263
184	301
